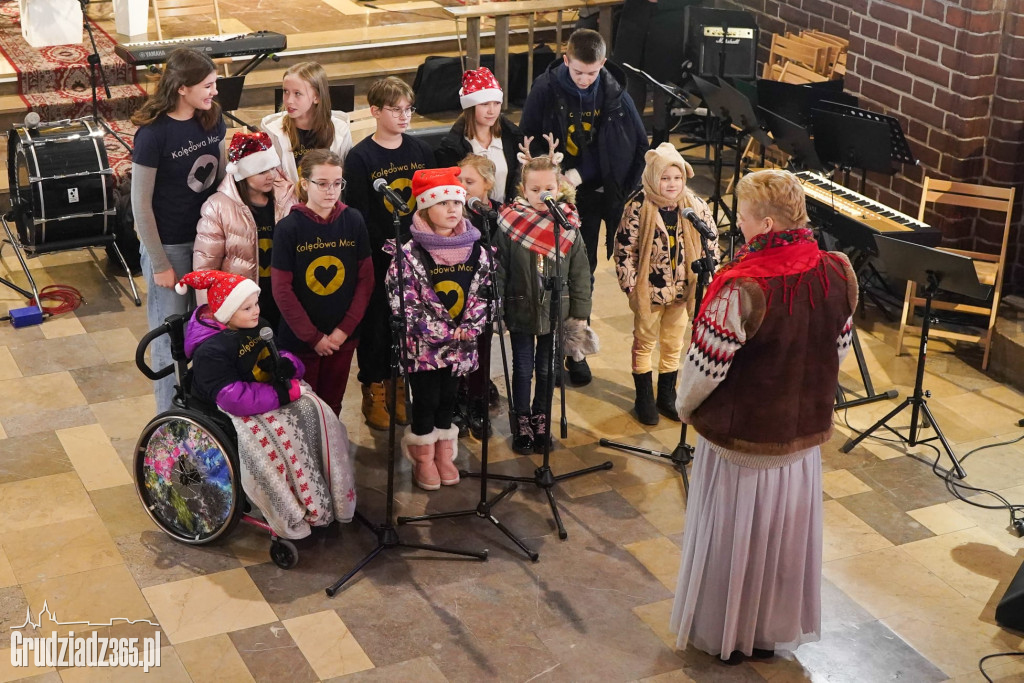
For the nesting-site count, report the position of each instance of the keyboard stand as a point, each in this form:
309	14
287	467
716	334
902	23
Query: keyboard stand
865	376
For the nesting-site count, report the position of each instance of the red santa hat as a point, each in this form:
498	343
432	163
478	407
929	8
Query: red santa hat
250	154
479	86
434	185
225	292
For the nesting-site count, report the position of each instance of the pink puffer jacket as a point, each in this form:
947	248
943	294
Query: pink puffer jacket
226	233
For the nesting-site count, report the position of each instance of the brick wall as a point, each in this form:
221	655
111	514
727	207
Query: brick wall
952	72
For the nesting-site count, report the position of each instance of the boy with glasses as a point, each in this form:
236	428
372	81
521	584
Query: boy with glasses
393	155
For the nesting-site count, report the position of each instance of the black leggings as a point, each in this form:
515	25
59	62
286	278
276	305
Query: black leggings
433	399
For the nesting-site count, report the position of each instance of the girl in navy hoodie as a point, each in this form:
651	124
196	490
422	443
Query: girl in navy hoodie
293	454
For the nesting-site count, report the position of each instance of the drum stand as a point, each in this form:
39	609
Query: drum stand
20	252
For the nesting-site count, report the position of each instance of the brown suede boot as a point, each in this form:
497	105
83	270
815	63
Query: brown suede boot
400	416
444	455
374	407
419	449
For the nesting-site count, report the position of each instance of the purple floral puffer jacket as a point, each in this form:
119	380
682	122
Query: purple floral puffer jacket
429	329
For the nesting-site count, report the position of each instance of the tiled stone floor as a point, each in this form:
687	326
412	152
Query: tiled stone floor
911	575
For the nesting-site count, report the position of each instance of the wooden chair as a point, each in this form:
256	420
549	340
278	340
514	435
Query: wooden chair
989	266
785	49
182	8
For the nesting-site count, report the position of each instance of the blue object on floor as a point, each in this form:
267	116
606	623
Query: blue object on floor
23	317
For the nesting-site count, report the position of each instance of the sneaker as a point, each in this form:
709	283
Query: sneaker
579	372
522	440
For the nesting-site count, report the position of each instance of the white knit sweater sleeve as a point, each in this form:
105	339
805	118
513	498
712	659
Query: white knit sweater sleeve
719	332
845	339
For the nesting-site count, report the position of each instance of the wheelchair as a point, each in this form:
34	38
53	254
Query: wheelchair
186	461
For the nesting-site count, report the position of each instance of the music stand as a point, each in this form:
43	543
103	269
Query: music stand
794	101
793	139
932	269
731	107
851	138
229	97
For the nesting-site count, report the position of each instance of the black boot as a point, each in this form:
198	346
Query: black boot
644	406
579	372
477	413
667	395
539	423
522	440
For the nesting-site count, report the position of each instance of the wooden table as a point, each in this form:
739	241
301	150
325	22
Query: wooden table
503	12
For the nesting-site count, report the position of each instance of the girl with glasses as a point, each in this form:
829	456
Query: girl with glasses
322	276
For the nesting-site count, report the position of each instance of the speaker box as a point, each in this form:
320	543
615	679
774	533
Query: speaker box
721	42
1010	612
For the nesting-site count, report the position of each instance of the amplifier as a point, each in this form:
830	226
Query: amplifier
722	42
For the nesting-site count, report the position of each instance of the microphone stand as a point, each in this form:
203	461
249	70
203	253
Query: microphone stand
682	455
95	65
543	478
385	531
483	507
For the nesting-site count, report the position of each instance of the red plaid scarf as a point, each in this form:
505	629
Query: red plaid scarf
535	230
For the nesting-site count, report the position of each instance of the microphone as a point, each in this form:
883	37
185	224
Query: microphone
380	185
481	208
549	199
701	226
267	335
32	120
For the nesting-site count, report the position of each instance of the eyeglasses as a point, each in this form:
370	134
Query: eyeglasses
324	186
400	113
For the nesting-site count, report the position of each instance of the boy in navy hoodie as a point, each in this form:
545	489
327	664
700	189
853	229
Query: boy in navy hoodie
582	101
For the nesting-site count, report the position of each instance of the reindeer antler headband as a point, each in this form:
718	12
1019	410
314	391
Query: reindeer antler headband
524	149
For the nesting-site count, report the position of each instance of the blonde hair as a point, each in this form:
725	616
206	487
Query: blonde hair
775	194
323	128
483	166
312	159
184	68
388	91
544	163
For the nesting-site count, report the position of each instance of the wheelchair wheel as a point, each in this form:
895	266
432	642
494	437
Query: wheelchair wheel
284	553
187	477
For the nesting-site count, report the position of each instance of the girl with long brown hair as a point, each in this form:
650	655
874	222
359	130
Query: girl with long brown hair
175	166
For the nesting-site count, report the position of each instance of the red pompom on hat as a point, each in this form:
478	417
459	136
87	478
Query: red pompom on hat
225	292
434	185
479	86
250	154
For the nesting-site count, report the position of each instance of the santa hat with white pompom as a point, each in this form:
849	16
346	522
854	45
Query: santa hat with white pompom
250	154
225	292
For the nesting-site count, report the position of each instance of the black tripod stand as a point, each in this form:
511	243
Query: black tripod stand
484	506
682	455
385	531
96	67
543	478
932	269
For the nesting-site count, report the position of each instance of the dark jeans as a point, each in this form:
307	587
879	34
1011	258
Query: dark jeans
433	399
595	207
328	375
530	355
477	381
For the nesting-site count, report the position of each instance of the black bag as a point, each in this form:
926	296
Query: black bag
437	83
124	226
517	68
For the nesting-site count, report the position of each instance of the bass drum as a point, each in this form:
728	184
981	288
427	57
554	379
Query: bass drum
61	184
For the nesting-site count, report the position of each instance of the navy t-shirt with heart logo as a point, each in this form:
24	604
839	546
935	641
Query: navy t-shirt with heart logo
324	262
186	157
264	218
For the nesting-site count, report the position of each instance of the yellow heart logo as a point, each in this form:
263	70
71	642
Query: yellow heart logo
451	296
325	275
263	360
400	185
264	256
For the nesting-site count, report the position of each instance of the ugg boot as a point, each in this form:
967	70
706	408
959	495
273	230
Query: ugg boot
539	423
400	416
646	410
444	455
522	440
419	449
374	407
667	395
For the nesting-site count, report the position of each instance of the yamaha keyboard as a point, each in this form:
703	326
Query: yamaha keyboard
215	47
854	220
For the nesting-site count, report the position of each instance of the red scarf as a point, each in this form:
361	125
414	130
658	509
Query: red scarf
534	230
770	256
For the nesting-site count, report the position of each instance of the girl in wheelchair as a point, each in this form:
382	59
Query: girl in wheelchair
293	451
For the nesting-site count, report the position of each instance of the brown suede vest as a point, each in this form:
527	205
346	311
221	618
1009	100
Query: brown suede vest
778	394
